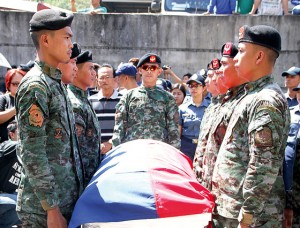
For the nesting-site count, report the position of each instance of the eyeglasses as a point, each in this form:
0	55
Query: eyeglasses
194	85
105	77
15	84
151	68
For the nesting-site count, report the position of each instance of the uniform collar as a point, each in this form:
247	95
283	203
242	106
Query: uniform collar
148	88
258	83
49	70
233	92
78	91
204	103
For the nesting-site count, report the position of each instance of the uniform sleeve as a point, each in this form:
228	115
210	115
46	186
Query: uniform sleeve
200	149
267	136
32	114
180	120
172	119
120	122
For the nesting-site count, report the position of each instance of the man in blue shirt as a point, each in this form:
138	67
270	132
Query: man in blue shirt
291	165
292	79
221	7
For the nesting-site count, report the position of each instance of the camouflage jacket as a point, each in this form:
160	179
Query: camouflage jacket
206	124
52	166
88	130
246	174
210	142
147	113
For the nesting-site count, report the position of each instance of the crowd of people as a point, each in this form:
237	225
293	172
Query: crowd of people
231	120
252	7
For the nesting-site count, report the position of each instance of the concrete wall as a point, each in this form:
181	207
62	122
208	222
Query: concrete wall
187	43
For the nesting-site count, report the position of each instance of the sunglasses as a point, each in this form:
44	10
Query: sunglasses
151	68
15	83
194	85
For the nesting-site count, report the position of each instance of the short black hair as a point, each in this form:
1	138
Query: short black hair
187	74
12	126
109	66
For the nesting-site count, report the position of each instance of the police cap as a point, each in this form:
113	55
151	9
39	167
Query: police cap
262	35
127	69
293	71
50	19
196	78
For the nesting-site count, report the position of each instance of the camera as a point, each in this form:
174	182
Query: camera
165	67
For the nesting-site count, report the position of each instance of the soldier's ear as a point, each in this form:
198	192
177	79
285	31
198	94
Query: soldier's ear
260	56
44	40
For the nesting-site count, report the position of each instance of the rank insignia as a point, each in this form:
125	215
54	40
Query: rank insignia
58	133
227	49
152	59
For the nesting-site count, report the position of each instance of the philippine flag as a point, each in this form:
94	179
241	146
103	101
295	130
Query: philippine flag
144	183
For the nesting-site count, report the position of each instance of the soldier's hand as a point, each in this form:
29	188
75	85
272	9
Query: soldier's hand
288	218
105	147
242	225
55	219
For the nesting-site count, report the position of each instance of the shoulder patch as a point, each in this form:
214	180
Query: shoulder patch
36	116
263	138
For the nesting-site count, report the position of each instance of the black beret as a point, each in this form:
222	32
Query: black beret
263	35
215	64
149	58
50	19
85	56
229	50
75	50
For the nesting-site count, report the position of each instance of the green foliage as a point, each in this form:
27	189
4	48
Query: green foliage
65	4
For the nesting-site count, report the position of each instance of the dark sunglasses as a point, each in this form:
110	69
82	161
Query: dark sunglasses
151	68
194	85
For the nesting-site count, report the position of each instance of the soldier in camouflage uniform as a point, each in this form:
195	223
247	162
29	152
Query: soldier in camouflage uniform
69	70
211	139
147	112
206	123
87	124
249	190
53	176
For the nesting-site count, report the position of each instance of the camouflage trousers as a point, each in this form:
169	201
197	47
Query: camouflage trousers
35	220
296	219
222	222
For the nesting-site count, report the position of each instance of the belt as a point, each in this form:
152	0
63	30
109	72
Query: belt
194	141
